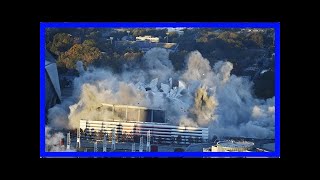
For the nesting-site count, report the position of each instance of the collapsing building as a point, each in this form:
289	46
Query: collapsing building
138	121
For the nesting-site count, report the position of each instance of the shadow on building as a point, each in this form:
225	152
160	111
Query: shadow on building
52	84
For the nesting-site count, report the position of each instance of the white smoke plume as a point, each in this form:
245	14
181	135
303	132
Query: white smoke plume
157	63
53	141
189	122
79	67
203	97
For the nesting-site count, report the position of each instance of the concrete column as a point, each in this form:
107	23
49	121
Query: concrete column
139	115
151	115
113	112
127	113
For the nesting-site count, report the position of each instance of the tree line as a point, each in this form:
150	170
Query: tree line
94	47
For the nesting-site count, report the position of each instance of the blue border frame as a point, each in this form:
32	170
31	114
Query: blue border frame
275	25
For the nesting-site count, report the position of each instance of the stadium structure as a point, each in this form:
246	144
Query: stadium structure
231	146
138	121
52	83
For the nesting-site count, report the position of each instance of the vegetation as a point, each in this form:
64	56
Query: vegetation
61	43
94	46
161	33
84	52
264	85
178	59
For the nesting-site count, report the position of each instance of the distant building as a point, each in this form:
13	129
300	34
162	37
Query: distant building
231	146
199	147
127	38
53	91
218	31
252	30
146	46
177	30
148	39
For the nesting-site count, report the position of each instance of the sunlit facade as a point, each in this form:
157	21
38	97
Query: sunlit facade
167	133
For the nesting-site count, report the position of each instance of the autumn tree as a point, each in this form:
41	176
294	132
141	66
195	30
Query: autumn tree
84	52
231	38
129	56
61	43
173	37
257	38
139	32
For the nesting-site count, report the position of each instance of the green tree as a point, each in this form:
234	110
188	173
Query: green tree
178	59
94	34
89	42
139	32
264	85
231	38
188	40
173	37
61	43
268	39
129	56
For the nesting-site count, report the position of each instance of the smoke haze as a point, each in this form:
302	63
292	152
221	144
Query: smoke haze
202	97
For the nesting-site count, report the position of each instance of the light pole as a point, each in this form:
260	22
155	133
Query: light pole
68	141
111	39
141	144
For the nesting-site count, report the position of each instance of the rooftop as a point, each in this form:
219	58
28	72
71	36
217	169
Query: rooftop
197	147
235	144
142	44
